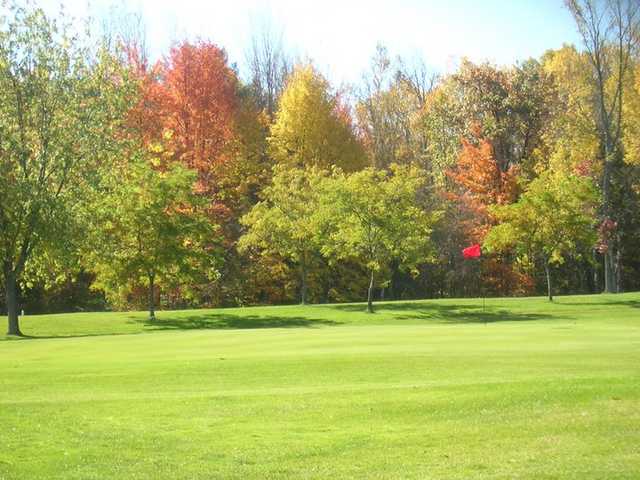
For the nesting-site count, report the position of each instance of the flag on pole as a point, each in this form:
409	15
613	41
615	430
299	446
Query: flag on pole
474	251
470	253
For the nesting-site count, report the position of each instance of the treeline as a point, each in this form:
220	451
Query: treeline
180	183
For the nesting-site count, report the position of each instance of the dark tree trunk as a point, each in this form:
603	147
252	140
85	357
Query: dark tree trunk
152	298
303	283
618	269
596	277
609	271
370	295
549	288
11	286
610	280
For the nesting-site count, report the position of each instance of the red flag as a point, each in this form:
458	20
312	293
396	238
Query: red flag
474	251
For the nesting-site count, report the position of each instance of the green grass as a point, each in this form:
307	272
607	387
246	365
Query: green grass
417	390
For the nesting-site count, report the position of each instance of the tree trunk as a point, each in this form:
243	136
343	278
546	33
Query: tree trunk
609	271
596	277
11	286
618	269
152	298
370	295
610	284
303	284
548	272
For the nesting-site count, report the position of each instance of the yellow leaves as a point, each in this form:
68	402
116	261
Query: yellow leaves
309	129
631	108
167	134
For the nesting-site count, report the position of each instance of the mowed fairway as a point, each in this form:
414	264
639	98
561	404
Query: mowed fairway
417	390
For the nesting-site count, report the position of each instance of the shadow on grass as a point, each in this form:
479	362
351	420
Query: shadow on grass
209	321
428	312
606	303
435	312
221	321
70	335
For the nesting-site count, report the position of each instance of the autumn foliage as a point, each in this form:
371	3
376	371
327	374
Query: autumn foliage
478	183
188	107
313	126
129	130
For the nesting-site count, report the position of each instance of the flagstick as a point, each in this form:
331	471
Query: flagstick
484	293
483	313
475	252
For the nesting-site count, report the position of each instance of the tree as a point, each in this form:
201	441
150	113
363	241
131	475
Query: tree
509	107
311	128
150	229
610	31
572	142
441	128
572	131
61	105
189	106
284	221
269	66
389	102
553	218
375	217
194	108
479	183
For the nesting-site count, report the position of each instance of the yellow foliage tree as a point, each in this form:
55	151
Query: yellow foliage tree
573	141
312	127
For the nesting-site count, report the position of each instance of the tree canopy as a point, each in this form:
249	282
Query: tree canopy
131	180
376	217
61	106
553	218
311	128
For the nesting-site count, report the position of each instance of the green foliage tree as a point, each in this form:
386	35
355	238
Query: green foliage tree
151	229
61	105
553	218
375	217
610	35
573	141
284	222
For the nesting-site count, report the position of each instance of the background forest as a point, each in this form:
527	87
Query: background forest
128	183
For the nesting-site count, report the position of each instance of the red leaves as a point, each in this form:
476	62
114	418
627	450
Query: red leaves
606	231
585	168
188	105
198	103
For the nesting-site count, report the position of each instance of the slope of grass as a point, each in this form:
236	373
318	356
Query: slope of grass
417	390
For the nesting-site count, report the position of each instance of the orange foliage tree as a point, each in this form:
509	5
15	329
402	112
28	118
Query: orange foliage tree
192	111
196	98
478	183
187	112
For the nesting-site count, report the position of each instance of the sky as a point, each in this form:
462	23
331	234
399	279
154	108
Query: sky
340	36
